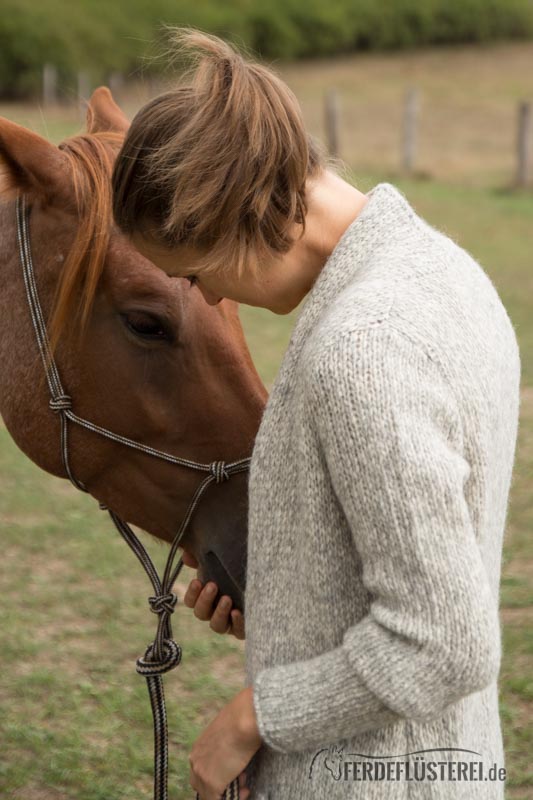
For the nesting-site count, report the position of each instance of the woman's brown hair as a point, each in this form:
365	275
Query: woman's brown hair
220	162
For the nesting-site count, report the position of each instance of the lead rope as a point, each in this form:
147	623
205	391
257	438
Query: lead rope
163	654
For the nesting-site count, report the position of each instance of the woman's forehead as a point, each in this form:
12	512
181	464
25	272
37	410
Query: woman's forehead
178	261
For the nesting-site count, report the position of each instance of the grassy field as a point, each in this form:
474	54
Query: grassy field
468	108
74	716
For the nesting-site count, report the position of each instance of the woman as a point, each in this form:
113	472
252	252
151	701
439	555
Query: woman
380	474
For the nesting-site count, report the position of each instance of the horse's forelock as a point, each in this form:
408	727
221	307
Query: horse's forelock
91	158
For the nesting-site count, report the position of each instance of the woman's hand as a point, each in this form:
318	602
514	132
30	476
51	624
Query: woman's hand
225	748
223	619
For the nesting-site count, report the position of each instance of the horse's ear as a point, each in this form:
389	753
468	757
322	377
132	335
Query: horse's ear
29	163
104	115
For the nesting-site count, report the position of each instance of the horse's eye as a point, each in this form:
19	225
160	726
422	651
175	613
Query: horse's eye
145	325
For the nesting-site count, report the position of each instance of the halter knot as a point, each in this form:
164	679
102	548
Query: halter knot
171	658
62	402
219	471
162	603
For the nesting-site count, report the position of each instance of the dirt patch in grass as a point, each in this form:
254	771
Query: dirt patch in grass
33	792
229	670
523	568
517	617
36	568
27	520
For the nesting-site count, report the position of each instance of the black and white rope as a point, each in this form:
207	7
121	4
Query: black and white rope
163	654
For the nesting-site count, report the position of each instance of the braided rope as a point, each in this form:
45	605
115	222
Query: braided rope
163	654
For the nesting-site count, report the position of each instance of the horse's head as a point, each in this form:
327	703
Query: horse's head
155	363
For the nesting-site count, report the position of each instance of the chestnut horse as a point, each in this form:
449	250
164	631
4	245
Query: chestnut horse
155	363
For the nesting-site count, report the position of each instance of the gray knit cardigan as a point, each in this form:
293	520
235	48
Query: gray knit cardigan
378	495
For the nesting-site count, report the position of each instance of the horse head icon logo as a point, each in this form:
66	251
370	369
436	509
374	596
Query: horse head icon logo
333	761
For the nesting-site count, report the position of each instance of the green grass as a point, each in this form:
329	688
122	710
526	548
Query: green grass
74	716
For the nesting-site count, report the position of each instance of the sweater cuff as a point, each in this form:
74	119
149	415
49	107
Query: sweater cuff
311	704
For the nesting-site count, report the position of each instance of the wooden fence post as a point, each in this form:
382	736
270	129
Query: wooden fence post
410	122
523	144
116	84
49	85
331	120
84	90
84	85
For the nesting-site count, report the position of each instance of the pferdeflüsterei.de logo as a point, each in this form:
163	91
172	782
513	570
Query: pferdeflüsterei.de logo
435	764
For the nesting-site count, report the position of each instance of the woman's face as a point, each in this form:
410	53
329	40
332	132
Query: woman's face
254	287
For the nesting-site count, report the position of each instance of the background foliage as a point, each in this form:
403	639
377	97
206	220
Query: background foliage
103	37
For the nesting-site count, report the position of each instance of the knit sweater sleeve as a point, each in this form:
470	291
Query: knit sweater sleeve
391	434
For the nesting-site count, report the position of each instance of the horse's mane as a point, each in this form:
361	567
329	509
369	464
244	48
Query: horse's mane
91	158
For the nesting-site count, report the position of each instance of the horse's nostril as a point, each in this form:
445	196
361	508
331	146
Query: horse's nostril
212	569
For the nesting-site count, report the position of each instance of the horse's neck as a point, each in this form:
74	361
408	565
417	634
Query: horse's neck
23	392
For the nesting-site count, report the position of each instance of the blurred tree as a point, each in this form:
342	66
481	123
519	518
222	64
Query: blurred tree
125	36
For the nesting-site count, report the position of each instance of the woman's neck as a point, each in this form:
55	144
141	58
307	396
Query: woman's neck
333	204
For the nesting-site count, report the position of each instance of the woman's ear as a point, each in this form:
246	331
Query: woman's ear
104	115
31	164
